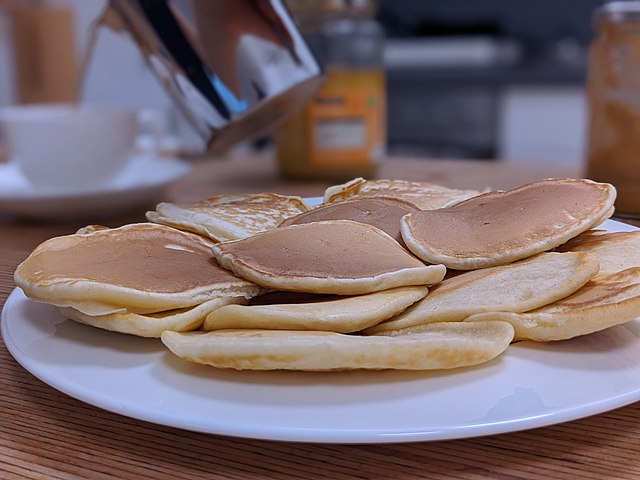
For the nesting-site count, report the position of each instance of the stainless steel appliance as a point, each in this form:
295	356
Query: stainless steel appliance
236	68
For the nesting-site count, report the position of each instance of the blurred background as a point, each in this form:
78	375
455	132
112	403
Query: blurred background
496	79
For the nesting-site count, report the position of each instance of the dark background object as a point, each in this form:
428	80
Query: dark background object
449	61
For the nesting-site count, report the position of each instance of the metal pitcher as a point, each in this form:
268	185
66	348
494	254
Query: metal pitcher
236	68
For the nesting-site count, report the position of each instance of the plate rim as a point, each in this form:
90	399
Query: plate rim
179	168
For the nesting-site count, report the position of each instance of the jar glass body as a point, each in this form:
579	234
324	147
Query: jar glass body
613	89
341	133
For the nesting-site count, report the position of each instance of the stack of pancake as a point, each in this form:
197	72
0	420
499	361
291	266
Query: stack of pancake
141	279
383	274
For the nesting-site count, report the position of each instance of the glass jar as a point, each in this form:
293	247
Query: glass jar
341	133
613	89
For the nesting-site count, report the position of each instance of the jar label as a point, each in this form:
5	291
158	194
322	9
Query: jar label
346	119
340	133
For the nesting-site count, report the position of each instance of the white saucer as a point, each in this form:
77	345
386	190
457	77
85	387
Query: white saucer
142	182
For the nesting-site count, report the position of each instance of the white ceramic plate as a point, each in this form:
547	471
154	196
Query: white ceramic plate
531	385
141	183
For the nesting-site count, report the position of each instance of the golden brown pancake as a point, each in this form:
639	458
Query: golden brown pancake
340	257
153	324
615	251
90	229
341	315
435	346
425	196
229	217
381	212
142	267
517	287
602	303
500	227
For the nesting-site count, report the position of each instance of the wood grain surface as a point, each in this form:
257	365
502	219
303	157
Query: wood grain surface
45	434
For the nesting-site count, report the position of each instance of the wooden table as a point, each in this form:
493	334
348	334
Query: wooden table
45	434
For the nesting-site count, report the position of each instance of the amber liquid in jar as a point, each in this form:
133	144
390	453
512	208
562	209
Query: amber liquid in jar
613	90
340	134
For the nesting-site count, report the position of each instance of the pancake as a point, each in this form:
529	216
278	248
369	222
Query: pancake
497	228
381	212
141	267
90	229
229	217
343	315
95	308
151	325
339	257
615	251
601	303
516	287
436	346
425	196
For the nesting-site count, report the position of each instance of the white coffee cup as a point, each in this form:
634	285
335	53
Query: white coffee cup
69	147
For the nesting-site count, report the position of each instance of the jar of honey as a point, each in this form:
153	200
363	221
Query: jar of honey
613	89
341	133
